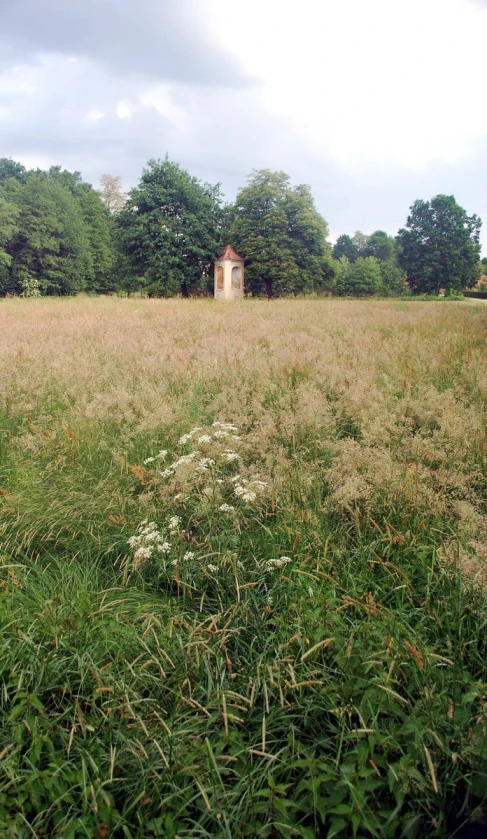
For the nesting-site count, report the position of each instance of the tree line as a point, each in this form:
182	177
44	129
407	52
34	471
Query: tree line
59	235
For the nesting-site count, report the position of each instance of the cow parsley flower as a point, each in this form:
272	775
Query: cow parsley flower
188	555
212	568
277	563
230	456
249	497
204	463
149	460
143	553
227	508
225	426
164	547
174	523
205	438
186	438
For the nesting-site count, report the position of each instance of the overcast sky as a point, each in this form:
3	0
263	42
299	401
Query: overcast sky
374	104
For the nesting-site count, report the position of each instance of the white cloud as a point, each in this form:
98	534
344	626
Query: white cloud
20	81
161	97
389	84
124	110
94	115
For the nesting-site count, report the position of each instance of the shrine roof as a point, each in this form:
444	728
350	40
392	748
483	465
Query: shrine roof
229	253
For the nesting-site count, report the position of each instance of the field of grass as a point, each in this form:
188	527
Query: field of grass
243	568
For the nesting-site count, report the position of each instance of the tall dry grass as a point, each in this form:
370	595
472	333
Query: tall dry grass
308	661
391	395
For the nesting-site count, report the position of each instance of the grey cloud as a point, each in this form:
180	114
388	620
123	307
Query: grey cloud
156	38
228	133
373	200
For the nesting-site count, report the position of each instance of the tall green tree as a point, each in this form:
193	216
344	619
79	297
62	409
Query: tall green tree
49	249
9	213
380	245
98	226
11	169
344	246
439	246
360	278
97	223
282	236
170	229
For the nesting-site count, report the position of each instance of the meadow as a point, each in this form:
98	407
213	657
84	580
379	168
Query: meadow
243	568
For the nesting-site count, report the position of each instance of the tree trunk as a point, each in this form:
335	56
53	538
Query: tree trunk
268	287
184	290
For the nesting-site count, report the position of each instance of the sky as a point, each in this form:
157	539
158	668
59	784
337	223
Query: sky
373	104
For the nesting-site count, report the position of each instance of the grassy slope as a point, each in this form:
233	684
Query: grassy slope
204	691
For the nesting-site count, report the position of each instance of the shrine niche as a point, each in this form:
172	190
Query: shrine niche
229	275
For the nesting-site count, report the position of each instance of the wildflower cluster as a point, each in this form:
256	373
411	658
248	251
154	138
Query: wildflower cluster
248	491
148	541
212	452
271	564
201	484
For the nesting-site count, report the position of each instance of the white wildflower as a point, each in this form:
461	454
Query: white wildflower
174	523
236	438
227	508
167	473
249	497
164	547
230	456
239	491
189	436
204	463
143	553
163	453
188	555
205	438
149	460
220	435
259	484
277	563
212	568
224	426
235	479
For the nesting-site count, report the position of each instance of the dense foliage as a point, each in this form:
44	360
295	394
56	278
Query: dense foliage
440	246
283	237
54	233
170	230
58	235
